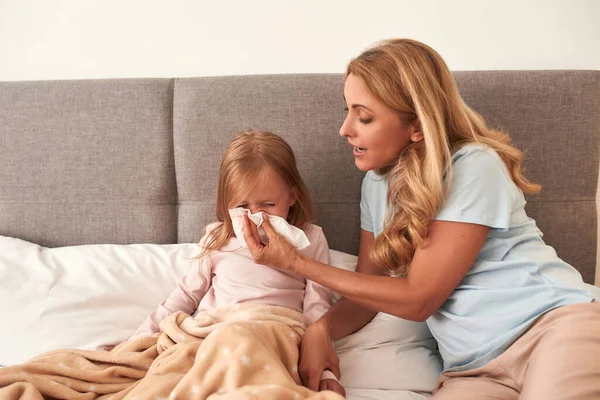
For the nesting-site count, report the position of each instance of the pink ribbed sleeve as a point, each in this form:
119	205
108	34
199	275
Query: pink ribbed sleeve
186	297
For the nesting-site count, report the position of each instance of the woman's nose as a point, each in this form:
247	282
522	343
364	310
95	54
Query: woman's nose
345	128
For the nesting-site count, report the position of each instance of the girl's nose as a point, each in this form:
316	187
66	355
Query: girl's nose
256	209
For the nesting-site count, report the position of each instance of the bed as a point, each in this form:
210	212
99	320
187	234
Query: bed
105	186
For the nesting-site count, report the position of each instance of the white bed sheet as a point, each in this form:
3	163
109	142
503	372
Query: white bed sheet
377	394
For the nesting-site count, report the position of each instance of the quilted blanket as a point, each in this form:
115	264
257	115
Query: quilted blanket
241	352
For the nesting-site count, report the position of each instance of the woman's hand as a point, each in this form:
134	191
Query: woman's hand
316	355
278	252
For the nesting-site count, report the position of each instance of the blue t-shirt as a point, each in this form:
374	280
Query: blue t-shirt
516	276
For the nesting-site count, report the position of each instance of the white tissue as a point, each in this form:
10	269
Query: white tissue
294	235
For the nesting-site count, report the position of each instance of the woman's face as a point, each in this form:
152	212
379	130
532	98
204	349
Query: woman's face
374	130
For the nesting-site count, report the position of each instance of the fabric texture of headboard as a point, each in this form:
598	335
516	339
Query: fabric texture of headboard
136	160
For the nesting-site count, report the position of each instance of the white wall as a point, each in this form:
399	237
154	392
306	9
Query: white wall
71	39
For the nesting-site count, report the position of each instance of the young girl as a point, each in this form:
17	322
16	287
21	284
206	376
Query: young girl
442	211
258	172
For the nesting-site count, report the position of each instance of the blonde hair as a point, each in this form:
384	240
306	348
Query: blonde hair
413	79
248	154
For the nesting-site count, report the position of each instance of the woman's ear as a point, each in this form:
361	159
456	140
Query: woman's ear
416	134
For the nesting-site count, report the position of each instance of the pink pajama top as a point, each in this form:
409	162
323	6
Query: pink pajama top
230	276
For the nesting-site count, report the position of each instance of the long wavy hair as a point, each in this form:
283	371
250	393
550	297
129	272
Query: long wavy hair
413	79
248	154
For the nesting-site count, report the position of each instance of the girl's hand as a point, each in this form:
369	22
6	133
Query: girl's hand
317	354
333	385
278	252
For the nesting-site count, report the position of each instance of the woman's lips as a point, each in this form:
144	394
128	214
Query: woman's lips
358	151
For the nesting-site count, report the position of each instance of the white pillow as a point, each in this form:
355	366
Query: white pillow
389	352
81	296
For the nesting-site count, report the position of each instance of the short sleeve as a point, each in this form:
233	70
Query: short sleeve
366	222
481	192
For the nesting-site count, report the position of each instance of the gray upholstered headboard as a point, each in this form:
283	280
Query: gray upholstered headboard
135	160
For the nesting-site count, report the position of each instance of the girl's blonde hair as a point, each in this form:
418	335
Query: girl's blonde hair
413	79
248	154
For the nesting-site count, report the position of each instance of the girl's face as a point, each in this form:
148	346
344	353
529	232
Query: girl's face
269	194
374	130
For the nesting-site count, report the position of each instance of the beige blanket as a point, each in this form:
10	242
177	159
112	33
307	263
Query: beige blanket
242	352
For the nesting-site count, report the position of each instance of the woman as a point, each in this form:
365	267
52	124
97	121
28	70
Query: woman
443	225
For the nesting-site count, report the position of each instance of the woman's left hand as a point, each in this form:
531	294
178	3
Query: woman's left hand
278	252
